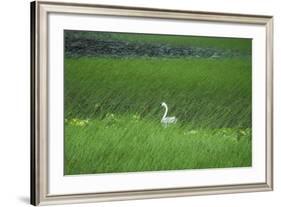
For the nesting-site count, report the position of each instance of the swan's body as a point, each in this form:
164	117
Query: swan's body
166	119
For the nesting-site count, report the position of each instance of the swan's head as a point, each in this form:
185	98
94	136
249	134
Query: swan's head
163	104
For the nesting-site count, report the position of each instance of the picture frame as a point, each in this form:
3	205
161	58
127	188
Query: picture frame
42	176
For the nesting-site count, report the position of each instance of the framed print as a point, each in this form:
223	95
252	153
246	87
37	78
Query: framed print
134	103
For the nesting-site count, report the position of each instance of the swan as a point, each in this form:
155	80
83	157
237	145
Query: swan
167	120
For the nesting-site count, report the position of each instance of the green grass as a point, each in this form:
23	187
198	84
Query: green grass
112	114
240	44
128	144
200	92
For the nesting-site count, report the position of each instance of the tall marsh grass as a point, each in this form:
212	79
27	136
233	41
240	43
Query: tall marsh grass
112	114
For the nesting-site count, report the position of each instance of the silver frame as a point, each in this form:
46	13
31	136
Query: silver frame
39	100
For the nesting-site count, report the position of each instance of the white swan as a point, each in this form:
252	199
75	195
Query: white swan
167	120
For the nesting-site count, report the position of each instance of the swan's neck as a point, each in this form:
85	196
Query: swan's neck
166	112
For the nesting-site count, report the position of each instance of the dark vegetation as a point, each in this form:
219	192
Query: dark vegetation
113	45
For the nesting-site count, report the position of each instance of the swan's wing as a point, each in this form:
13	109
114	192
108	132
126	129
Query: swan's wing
171	119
